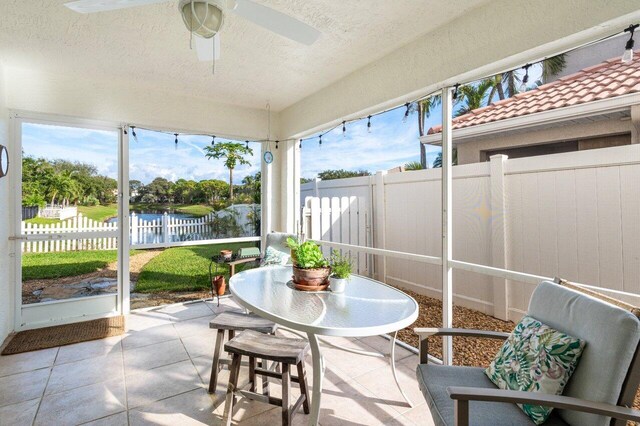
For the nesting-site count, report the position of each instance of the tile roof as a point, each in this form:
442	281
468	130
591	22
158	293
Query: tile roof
606	80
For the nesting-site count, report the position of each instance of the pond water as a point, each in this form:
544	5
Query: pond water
150	215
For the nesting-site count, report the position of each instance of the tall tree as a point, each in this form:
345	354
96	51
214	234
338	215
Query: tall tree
474	96
233	154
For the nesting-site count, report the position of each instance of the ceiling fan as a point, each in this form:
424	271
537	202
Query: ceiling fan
204	19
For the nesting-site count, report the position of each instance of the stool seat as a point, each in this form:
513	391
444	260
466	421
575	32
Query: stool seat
239	321
265	346
285	353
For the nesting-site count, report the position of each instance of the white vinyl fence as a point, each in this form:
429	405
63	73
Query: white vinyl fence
573	215
233	222
342	220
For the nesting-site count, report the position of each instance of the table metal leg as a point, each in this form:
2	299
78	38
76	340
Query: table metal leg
318	375
393	367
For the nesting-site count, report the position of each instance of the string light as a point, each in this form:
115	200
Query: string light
525	79
133	133
406	113
320	139
213	140
246	144
627	56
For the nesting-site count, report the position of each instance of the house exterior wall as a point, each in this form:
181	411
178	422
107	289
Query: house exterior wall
6	283
472	151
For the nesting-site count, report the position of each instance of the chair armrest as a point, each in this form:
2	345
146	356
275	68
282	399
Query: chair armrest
464	332
462	396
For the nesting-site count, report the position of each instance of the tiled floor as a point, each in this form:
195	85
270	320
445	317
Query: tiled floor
158	373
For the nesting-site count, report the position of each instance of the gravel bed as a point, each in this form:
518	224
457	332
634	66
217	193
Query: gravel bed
466	350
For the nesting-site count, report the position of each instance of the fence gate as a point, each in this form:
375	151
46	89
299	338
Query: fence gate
344	220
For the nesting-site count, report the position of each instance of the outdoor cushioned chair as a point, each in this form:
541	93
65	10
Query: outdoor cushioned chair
278	242
598	393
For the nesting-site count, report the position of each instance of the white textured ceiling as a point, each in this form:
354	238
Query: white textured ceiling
148	46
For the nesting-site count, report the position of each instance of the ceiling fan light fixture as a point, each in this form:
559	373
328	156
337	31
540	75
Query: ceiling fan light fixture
202	17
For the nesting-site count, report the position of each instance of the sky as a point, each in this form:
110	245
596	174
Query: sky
391	143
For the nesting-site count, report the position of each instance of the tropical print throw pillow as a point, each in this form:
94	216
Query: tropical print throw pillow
274	257
535	358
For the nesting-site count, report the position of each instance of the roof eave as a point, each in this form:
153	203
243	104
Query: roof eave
608	105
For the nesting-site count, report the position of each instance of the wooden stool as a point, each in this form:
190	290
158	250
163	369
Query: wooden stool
232	322
283	350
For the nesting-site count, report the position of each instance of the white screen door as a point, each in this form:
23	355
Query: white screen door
67	230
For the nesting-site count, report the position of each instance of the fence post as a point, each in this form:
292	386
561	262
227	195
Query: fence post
379	213
316	189
499	236
134	228
165	228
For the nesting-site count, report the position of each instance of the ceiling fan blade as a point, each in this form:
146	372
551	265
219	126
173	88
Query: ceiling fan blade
205	48
92	6
277	22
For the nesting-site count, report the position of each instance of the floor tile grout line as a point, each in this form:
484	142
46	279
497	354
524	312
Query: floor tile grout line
102	417
124	381
35	416
138	407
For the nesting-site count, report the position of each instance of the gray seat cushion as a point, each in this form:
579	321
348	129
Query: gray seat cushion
434	380
611	334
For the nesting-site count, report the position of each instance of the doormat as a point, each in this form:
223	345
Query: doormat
67	334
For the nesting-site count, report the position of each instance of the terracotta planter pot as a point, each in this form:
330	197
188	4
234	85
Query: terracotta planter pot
220	284
226	254
311	277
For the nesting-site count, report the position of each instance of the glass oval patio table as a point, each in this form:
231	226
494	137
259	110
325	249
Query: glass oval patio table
366	308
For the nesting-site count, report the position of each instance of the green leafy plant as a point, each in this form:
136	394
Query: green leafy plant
341	266
306	255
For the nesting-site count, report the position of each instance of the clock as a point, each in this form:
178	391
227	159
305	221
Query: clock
4	161
268	157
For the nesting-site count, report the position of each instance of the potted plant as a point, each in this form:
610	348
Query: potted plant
310	268
340	271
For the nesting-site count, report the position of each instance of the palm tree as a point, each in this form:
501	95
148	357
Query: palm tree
61	184
413	165
474	96
233	154
438	161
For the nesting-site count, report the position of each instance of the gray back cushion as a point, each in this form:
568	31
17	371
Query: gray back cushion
278	241
611	334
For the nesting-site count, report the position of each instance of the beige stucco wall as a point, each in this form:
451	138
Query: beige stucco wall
6	284
35	91
469	151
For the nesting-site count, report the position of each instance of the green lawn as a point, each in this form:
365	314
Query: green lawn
184	268
195	209
99	213
42	221
66	264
